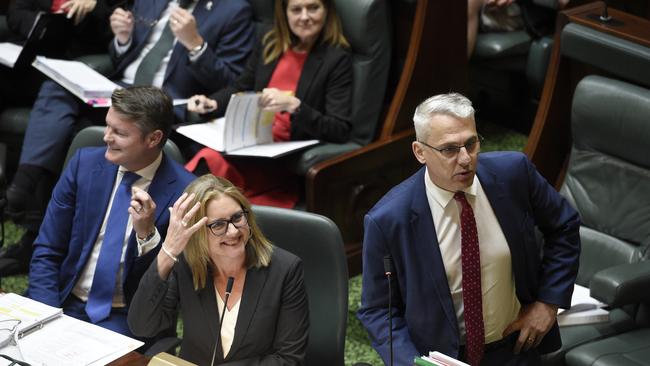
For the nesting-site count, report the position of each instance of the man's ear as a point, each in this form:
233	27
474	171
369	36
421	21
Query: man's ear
418	151
154	138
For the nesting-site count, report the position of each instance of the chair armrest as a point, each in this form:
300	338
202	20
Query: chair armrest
317	154
357	180
622	285
100	62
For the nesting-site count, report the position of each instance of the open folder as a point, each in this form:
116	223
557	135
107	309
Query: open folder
245	130
32	315
43	39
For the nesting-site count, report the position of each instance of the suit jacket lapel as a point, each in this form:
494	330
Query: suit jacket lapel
427	247
208	301
309	71
255	281
98	193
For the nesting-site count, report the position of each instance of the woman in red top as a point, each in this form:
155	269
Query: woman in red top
303	69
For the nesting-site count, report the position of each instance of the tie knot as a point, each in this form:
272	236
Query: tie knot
129	178
460	198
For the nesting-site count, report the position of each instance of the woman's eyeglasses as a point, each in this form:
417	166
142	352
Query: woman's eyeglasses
220	227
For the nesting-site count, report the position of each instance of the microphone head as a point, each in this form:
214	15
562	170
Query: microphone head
231	280
388	265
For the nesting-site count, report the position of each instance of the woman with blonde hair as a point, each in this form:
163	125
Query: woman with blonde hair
302	67
213	237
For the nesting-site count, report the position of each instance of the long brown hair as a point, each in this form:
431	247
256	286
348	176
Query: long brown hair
207	188
279	38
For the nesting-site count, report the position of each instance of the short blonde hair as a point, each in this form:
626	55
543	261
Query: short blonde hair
207	188
279	38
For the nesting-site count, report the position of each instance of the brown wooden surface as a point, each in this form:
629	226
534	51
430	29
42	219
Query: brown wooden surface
549	142
435	61
131	359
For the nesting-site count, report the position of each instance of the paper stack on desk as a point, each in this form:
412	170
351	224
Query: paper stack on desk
438	359
584	309
47	337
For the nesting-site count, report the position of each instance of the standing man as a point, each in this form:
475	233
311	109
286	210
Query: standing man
186	47
469	278
108	213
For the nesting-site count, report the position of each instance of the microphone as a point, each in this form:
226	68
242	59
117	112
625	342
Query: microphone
229	284
388	271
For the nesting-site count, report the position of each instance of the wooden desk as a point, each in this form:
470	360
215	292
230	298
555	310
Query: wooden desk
132	359
549	143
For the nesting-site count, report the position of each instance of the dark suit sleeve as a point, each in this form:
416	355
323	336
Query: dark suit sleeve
224	58
560	225
154	307
51	245
331	124
290	338
373	313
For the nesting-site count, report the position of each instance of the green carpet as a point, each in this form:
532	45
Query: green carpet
357	344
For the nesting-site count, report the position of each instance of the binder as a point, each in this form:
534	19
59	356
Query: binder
44	39
32	314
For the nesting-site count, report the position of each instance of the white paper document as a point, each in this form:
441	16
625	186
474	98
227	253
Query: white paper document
31	314
245	130
584	309
9	53
79	79
69	341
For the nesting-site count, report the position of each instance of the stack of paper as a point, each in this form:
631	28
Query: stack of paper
584	309
79	79
9	53
438	359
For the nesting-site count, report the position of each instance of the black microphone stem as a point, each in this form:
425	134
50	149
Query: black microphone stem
231	280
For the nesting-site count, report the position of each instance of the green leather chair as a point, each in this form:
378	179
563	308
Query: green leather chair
317	241
608	182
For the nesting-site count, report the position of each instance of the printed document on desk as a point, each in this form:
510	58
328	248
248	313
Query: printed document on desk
79	79
32	314
69	341
245	130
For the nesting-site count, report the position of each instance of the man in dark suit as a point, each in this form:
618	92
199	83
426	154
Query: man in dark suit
95	244
188	48
469	277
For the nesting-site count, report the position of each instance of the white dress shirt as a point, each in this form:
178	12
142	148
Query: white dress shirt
83	285
500	303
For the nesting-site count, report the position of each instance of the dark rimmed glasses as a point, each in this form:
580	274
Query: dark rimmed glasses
220	227
471	146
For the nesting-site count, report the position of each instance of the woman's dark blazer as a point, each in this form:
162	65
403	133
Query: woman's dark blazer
324	89
272	325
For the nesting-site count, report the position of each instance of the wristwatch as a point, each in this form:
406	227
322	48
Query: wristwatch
149	236
195	51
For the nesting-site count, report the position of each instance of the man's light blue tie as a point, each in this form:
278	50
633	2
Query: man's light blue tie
100	298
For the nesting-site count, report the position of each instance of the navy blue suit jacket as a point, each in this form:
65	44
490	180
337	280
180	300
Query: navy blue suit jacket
225	25
401	225
74	217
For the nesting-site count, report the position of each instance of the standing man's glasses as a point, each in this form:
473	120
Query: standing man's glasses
472	146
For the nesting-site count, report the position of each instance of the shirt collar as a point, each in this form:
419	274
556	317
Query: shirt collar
149	171
443	196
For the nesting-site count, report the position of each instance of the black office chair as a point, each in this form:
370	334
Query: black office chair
317	241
